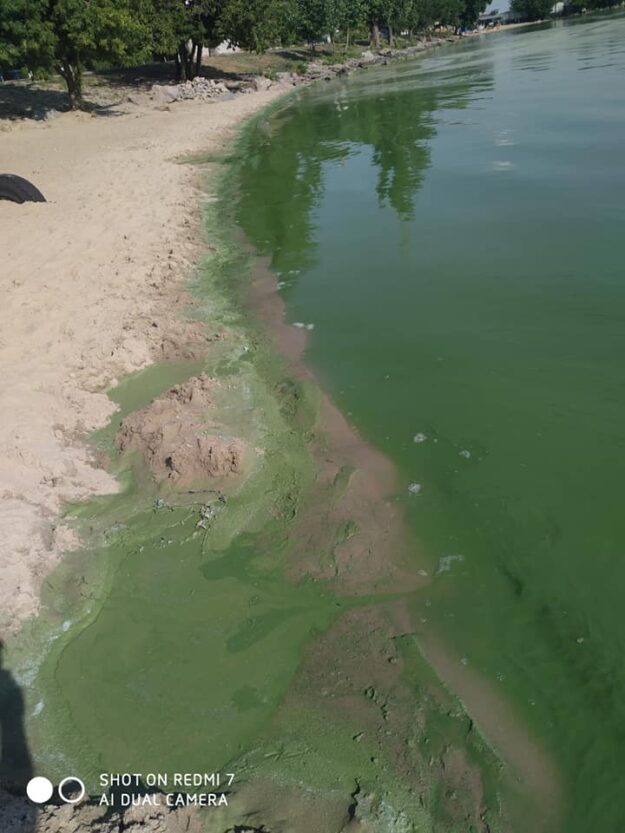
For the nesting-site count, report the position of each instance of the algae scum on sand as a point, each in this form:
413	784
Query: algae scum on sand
227	625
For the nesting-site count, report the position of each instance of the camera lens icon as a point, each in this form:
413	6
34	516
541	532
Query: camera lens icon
71	790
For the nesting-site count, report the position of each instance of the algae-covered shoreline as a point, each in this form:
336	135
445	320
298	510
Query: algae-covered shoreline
466	356
321	688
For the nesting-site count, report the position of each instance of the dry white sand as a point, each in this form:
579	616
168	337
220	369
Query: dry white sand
91	284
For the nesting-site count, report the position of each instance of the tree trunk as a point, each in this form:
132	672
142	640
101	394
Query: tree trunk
347	40
184	62
181	64
198	59
71	73
391	39
375	35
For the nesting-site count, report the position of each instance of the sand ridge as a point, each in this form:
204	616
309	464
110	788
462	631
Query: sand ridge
92	284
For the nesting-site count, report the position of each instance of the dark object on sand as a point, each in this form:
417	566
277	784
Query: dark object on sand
18	189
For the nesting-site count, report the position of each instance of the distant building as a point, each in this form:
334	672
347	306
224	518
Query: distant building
511	17
489	19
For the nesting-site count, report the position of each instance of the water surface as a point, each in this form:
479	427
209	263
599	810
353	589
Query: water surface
452	227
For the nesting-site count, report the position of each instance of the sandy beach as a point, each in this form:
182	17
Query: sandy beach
93	288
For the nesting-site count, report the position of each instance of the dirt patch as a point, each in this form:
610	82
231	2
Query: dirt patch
259	807
17	815
529	769
180	446
356	676
354	535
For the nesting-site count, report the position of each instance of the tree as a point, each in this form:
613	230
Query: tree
532	9
426	13
197	25
315	19
349	15
374	17
472	9
259	24
68	35
25	40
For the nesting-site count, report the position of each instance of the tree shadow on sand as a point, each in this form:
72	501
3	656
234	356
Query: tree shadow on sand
104	91
26	100
21	100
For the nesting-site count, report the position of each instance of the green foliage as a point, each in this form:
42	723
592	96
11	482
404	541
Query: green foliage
167	21
472	9
67	35
349	15
532	9
259	24
315	19
412	16
25	39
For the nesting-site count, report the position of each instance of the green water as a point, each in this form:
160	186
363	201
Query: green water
453	229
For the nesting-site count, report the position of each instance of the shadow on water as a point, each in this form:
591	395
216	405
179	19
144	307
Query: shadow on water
16	769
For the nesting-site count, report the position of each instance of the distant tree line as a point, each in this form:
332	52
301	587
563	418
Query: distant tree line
542	9
68	36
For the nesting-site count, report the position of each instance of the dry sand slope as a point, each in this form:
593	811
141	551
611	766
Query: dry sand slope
92	288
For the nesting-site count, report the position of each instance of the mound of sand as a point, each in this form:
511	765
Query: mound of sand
173	435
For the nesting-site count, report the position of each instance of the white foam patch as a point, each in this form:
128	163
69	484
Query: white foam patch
446	562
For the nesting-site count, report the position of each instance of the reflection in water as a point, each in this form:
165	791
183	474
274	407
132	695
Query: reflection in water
284	170
538	62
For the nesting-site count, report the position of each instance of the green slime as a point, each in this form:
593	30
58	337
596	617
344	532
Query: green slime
452	227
